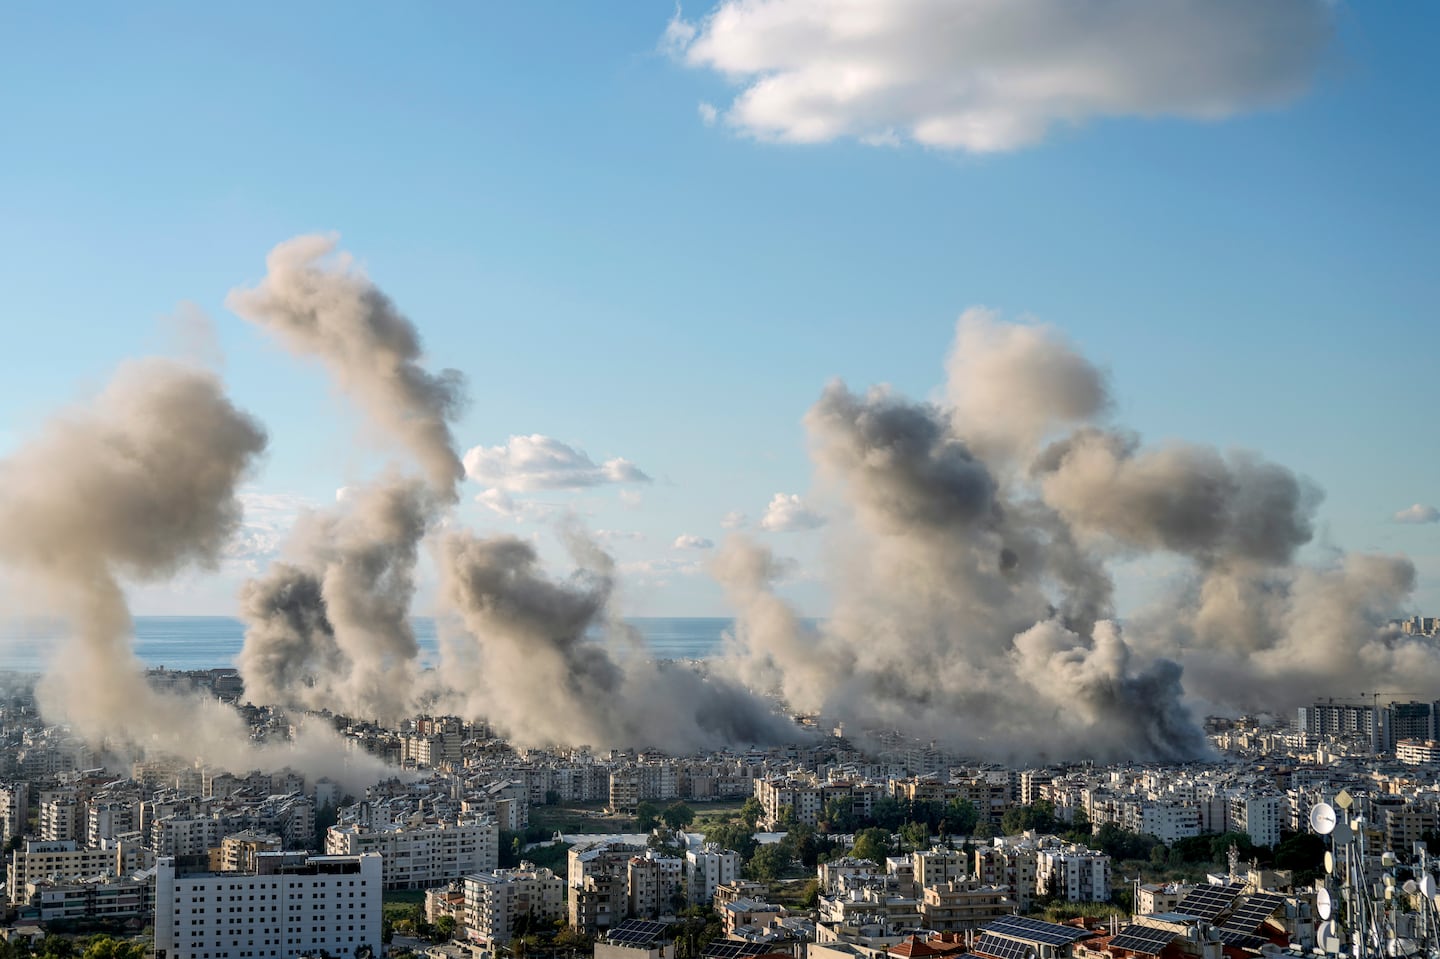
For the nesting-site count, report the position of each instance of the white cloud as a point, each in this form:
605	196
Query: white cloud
735	519
1417	514
994	75
619	535
268	519
661	567
632	498
519	510
691	541
708	113
541	462
787	513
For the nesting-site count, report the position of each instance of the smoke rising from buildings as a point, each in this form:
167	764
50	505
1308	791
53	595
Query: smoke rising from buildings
138	485
541	678
328	628
974	600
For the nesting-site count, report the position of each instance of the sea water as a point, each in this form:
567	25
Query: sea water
208	642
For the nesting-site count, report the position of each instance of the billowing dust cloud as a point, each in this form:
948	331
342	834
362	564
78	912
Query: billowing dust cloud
138	485
972	585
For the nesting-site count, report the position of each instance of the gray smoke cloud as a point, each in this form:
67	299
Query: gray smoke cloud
319	304
138	485
542	675
329	628
974	599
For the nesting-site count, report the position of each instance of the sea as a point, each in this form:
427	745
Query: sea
210	642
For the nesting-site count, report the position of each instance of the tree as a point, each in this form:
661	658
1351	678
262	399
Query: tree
732	835
872	844
104	947
984	830
962	816
751	811
768	863
915	834
839	815
444	927
647	816
678	815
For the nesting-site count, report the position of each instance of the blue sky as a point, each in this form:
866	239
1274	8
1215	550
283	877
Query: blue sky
537	188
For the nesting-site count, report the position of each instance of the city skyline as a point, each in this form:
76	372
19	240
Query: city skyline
647	292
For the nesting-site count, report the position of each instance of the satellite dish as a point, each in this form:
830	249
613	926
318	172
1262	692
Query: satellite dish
1342	833
1427	886
1344	800
1323	905
1411	887
1329	863
1322	818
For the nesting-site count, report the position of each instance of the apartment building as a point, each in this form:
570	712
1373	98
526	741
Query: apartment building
292	907
495	900
419	853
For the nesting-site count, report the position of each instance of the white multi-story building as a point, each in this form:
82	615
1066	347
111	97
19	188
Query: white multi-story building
1260	816
495	900
323	905
708	868
1167	820
57	860
418	854
1073	873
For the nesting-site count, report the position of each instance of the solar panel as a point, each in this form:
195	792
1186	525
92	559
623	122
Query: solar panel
637	932
1207	902
1035	930
1253	911
1146	939
1238	939
1001	948
732	949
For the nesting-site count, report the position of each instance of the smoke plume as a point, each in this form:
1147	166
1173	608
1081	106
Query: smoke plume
974	600
542	677
319	304
138	485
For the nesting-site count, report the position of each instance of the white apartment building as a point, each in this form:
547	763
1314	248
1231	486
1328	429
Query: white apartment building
1260	816
327	905
418	854
1073	873
495	900
60	819
1167	820
59	860
708	868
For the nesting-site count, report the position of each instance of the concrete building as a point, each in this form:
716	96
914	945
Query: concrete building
1073	873
310	906
708	868
495	900
66	860
420	853
937	866
1260	816
962	904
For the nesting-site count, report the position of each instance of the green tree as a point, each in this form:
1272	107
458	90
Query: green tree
444	927
886	812
732	835
678	815
751	811
105	947
916	835
839	815
647	816
984	830
768	863
872	844
961	816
